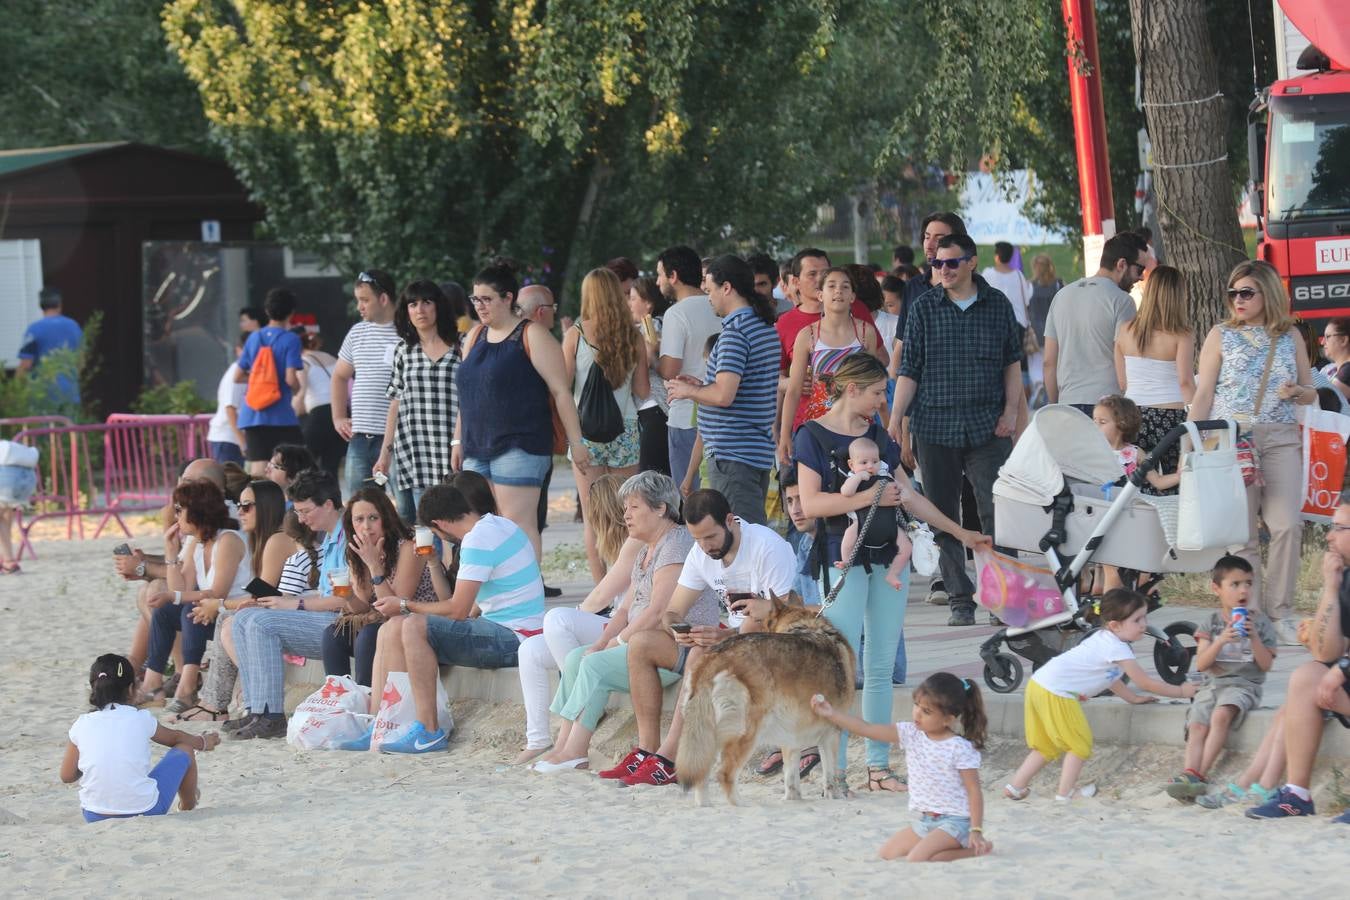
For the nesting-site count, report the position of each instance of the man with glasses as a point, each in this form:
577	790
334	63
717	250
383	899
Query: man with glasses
960	382
367	355
294	625
1080	329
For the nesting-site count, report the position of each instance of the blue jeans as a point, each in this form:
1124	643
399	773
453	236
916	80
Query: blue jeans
476	643
362	452
340	647
167	621
262	637
168	774
681	441
868	603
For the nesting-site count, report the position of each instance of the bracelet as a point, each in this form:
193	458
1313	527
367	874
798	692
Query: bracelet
456	442
300	603
975	829
619	638
203	737
177	598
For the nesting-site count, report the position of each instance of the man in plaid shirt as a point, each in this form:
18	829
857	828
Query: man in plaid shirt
960	380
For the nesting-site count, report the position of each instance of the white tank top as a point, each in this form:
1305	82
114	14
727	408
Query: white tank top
1151	382
623	394
206	576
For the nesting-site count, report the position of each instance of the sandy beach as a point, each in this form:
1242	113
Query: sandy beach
278	822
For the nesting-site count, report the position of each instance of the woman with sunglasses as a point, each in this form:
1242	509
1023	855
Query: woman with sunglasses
819	349
511	370
1254	368
214	562
423	402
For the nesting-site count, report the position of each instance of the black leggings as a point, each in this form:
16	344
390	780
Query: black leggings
653	452
323	440
339	647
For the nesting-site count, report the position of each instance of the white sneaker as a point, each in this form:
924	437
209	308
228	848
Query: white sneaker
938	597
1286	630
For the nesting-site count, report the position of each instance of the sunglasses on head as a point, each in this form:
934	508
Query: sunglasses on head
953	263
1244	293
365	278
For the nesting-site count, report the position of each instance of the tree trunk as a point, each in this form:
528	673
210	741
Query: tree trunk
581	236
1187	126
857	203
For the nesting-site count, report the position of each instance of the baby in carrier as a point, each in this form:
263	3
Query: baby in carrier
865	470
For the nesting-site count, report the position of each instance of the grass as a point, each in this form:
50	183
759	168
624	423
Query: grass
1194	589
565	562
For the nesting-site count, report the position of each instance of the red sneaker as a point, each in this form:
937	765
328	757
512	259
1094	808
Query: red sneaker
654	770
627	766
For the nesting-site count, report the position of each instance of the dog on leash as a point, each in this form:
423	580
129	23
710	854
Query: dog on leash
755	689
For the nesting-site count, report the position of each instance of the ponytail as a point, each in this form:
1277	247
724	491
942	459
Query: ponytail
731	269
959	697
1116	605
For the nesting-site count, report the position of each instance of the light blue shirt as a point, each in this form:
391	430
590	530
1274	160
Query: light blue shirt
332	557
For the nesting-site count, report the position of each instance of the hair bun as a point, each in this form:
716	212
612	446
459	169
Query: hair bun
504	262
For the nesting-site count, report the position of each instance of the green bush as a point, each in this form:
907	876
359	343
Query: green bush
179	399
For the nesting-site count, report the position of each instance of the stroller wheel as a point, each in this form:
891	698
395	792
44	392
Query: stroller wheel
1173	658
1003	673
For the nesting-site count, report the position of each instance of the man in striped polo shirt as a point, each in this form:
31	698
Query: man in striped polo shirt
736	406
367	355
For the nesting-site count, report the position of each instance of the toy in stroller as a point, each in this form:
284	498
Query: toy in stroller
1061	493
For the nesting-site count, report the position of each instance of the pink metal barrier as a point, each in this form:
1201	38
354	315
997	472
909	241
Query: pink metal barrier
141	459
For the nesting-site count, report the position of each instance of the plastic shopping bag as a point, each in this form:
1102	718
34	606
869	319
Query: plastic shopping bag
1016	591
1324	437
398	712
339	711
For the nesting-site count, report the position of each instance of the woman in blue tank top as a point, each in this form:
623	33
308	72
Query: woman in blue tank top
504	432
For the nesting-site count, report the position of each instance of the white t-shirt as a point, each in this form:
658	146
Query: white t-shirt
685	330
1086	670
764	563
497	554
114	745
228	393
318	380
934	770
1015	287
369	349
886	324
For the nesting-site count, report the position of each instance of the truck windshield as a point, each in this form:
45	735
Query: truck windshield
1309	167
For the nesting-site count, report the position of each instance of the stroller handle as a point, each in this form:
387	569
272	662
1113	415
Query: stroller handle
1139	476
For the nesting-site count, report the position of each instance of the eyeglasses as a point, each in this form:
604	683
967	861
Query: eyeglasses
302	513
246	505
1244	293
953	263
275	467
481	301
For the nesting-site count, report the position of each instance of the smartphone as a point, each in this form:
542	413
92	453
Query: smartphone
122	550
259	588
681	627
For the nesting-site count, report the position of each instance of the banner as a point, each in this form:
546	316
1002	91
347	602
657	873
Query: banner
1324	436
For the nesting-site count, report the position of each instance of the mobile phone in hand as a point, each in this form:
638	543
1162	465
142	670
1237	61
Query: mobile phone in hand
122	550
681	627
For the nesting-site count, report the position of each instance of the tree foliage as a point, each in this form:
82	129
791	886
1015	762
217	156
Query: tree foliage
424	135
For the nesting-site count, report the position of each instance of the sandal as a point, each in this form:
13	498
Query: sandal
199	713
10	568
810	759
175	705
770	764
877	778
1013	793
145	698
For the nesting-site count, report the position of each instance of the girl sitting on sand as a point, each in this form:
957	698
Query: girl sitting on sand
109	755
943	769
1054	718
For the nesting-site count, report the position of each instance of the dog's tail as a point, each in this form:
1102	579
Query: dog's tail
713	712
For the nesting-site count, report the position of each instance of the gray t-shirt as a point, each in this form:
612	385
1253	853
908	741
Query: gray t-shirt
1083	320
1230	663
685	330
671	550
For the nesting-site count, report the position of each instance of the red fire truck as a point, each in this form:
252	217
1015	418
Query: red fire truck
1299	149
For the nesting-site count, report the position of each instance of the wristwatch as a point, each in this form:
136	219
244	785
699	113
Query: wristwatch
403	605
1344	663
376	580
140	569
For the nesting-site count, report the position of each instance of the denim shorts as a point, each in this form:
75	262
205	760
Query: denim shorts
475	643
957	826
514	468
17	484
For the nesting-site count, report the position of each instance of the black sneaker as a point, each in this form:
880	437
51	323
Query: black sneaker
234	725
552	591
264	727
961	617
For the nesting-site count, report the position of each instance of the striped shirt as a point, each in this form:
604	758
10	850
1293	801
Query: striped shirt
369	349
743	431
295	575
497	554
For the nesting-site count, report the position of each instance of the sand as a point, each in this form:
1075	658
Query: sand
278	822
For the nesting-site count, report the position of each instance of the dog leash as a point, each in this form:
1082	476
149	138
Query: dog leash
853	554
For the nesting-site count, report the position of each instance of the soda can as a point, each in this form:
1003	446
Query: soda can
1240	620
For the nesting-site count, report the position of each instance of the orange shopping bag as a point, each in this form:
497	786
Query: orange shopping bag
1324	436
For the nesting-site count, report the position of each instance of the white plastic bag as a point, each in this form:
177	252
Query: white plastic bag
339	711
924	557
1212	510
398	712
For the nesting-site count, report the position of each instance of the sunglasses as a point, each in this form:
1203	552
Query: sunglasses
953	263
246	505
365	278
1244	293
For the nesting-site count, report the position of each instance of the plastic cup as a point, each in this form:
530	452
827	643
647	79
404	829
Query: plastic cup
426	541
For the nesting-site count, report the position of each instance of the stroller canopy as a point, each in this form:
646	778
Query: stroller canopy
1060	443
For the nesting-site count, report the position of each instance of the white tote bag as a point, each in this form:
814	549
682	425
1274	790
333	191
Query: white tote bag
1212	511
398	712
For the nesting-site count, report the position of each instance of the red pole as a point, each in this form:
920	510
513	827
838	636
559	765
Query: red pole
1093	57
1089	126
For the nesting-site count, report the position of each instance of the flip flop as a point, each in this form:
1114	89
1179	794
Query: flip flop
199	713
771	764
810	759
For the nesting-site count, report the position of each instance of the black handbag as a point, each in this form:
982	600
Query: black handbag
601	421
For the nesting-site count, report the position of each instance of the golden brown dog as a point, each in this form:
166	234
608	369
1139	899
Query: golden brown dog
756	689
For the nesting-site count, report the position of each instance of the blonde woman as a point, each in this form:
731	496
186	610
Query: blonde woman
1045	283
605	338
1259	334
1155	361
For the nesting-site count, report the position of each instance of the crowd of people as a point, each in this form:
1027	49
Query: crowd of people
688	405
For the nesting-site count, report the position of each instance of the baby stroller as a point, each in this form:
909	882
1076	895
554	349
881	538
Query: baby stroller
1061	493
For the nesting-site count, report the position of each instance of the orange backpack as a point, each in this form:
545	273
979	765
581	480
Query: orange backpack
264	387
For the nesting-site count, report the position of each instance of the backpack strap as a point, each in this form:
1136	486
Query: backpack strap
817	432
